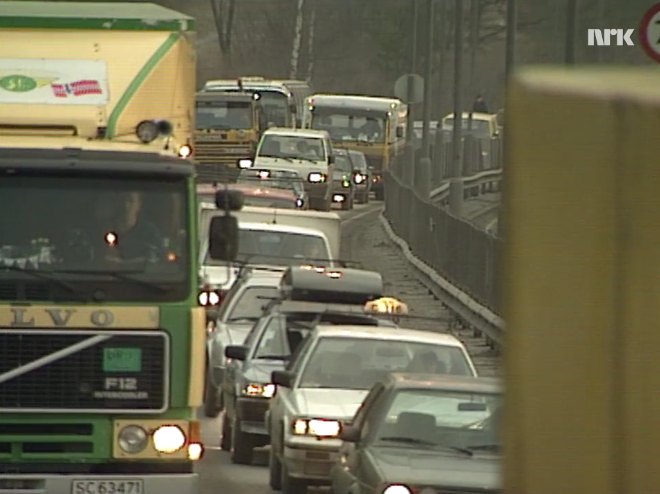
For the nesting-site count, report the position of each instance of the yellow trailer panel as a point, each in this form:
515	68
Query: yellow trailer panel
582	271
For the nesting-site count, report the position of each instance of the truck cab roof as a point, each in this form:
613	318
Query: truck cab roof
310	133
94	15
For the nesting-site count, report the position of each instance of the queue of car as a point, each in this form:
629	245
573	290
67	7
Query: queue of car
311	358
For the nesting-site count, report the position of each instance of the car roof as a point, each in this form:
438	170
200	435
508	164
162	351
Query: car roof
262	277
378	333
316	134
448	382
278	227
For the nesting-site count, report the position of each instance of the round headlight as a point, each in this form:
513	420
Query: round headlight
169	439
147	131
185	151
133	439
396	489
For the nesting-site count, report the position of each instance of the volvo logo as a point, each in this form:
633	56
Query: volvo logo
22	317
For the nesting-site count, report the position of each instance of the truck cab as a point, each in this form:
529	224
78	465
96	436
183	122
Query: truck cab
228	126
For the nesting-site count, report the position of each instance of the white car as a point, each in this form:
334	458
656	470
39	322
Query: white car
309	152
326	383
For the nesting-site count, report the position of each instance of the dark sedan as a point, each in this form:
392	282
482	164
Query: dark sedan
423	434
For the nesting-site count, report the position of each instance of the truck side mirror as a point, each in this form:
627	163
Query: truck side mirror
223	238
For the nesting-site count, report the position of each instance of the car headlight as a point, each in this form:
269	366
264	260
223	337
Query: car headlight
133	439
359	178
259	390
345	183
397	489
169	439
209	297
316	427
316	177
299	203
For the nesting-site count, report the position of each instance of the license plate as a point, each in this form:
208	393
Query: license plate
107	487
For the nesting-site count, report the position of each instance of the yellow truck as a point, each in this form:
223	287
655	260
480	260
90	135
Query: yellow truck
582	266
229	126
78	72
101	336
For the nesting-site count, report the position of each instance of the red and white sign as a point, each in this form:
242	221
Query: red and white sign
53	81
649	32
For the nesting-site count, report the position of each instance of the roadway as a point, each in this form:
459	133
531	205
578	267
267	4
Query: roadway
363	240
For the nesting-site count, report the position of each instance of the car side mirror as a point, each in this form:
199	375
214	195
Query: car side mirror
223	238
236	352
282	378
399	132
350	434
331	159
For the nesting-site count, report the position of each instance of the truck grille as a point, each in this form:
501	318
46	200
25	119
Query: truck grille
222	152
92	371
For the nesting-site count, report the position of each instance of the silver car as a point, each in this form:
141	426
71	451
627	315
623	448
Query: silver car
328	380
238	312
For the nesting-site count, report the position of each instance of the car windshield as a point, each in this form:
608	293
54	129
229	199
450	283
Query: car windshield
249	306
292	147
276	248
343	126
434	417
122	237
223	115
356	363
342	164
280	338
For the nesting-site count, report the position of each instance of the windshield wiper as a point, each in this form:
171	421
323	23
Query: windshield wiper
120	275
274	357
423	442
246	319
44	275
487	447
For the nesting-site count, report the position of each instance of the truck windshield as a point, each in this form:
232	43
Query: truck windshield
93	238
223	115
275	107
354	126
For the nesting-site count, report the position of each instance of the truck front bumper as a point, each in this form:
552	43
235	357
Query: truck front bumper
187	483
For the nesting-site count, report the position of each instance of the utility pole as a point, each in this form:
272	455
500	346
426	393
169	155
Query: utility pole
310	43
297	40
456	180
571	28
475	14
408	171
428	76
511	28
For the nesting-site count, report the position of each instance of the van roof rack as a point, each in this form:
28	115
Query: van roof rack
331	285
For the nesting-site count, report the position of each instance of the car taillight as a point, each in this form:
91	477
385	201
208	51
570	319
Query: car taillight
208	297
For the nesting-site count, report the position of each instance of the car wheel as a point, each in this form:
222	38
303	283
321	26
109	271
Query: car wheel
241	445
225	440
211	408
347	204
274	470
291	485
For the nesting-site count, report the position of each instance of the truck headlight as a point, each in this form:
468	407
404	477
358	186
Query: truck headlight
185	151
299	203
245	163
259	390
169	439
316	427
397	489
316	177
345	183
133	439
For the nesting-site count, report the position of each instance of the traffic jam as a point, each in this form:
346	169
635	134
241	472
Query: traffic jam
308	355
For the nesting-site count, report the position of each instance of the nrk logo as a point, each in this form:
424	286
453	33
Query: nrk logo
649	34
605	37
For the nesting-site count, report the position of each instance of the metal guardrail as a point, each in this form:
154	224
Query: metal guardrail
457	261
